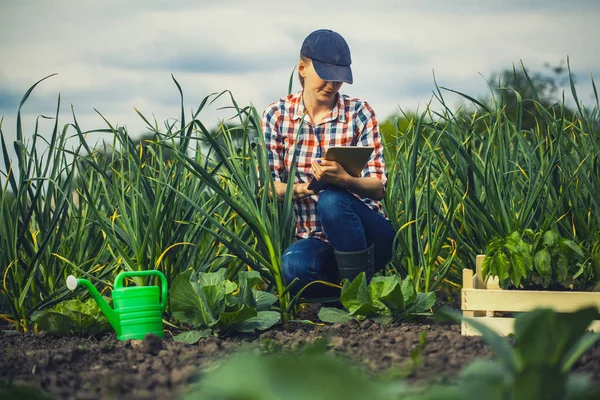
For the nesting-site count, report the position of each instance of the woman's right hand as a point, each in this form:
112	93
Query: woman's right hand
300	190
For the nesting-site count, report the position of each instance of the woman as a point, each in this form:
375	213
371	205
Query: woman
342	230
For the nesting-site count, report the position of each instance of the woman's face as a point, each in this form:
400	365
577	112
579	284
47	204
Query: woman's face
322	91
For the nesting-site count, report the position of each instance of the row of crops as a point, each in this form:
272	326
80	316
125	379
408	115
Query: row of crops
191	202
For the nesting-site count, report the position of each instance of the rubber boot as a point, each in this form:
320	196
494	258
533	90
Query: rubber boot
351	263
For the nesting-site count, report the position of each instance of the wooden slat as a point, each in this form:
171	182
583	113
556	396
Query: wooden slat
526	300
467	284
478	281
504	326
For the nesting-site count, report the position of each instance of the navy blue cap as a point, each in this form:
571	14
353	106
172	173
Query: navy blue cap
330	55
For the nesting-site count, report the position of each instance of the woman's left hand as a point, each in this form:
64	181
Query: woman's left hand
328	171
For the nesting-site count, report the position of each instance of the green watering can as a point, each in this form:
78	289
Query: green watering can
138	309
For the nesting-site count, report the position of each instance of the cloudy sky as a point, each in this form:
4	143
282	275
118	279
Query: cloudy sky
116	55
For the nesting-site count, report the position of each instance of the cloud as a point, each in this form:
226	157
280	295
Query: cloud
113	56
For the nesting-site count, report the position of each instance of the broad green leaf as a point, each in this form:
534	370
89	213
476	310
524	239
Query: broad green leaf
264	300
333	315
80	320
408	291
230	318
489	379
214	296
376	287
392	295
54	322
355	297
192	337
551	238
542	263
263	320
422	303
230	287
73	317
561	332
579	347
186	305
318	376
540	382
355	293
211	278
246	281
562	268
519	269
502	265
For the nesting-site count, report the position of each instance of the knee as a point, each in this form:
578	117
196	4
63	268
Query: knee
332	203
294	265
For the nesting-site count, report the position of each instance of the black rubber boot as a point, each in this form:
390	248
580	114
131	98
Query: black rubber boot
351	263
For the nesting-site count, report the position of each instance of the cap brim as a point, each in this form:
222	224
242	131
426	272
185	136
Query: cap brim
335	73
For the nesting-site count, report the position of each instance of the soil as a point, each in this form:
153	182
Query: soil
106	368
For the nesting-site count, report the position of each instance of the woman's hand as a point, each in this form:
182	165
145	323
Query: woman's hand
300	190
328	171
332	172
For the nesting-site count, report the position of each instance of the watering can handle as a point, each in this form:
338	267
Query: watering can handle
163	282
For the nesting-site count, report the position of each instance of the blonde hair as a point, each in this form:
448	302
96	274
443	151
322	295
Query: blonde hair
306	60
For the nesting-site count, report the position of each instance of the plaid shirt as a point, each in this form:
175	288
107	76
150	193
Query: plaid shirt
352	122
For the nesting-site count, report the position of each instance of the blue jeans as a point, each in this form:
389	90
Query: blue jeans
350	225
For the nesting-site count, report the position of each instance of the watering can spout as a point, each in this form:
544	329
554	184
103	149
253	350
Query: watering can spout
108	312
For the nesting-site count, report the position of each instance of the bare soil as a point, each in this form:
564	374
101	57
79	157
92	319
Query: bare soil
106	368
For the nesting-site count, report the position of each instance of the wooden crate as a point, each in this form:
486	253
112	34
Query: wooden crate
482	299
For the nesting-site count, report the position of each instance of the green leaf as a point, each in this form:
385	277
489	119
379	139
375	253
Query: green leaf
408	291
572	246
230	287
519	269
311	376
551	238
186	304
579	347
229	318
263	320
561	268
264	300
247	280
213	296
55	322
216	278
376	287
333	315
422	303
488	378
206	300
540	382
355	297
545	337
192	337
73	317
542	263
392	295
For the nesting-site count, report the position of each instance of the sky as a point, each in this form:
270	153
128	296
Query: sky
118	56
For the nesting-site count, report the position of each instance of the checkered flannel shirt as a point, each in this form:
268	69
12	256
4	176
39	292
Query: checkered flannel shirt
352	122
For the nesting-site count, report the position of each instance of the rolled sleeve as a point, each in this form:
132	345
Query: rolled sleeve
369	135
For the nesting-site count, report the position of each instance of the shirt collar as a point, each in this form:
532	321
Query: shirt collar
300	110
